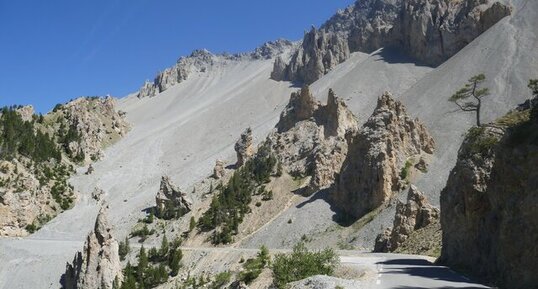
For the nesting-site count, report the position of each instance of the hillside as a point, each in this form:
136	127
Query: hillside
193	113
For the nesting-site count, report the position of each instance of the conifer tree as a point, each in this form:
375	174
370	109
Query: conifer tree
471	90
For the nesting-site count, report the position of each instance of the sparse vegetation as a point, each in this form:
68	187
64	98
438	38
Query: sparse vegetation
230	205
253	267
480	141
301	264
404	174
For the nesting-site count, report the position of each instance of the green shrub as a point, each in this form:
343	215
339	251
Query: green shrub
253	267
221	279
301	264
405	170
480	142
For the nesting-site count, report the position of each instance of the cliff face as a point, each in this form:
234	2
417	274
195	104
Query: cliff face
310	138
387	144
490	204
429	30
98	265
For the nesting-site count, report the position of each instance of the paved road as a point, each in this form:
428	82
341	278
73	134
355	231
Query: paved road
395	271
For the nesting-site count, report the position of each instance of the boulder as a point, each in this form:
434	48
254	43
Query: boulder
171	202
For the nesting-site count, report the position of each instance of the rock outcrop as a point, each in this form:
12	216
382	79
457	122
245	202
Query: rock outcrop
171	202
98	265
244	147
96	123
490	204
429	30
34	190
309	140
416	214
219	170
377	155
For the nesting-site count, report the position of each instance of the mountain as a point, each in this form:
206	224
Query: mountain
193	113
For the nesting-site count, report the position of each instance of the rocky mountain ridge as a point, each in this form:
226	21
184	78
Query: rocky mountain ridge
200	61
431	31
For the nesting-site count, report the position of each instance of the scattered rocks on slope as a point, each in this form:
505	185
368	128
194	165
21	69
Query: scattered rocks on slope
309	139
171	202
370	175
98	265
219	170
417	213
428	30
490	205
26	112
201	61
244	147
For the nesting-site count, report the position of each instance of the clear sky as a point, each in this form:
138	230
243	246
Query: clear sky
55	50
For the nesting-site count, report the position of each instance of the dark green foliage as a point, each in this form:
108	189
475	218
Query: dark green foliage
230	205
254	267
143	233
155	266
192	224
32	228
405	170
301	264
471	90
124	248
221	279
22	137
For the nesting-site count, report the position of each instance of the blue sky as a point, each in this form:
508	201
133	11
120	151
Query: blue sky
55	50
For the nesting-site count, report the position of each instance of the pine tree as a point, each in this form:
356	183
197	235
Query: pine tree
471	90
142	264
164	247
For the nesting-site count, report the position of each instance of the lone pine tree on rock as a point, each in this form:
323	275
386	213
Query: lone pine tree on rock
471	90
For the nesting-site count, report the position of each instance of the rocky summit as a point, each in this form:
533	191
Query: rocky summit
429	30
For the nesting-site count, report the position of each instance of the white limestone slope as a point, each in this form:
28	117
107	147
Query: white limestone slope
180	132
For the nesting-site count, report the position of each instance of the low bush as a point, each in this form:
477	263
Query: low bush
302	263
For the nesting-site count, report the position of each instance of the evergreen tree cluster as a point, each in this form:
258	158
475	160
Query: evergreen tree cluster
230	205
154	267
18	136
